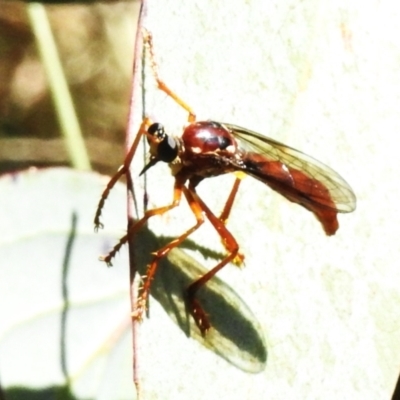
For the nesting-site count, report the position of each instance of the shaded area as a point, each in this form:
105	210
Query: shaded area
396	393
235	334
49	393
2	394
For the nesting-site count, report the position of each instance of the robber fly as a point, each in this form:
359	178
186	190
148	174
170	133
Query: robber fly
209	148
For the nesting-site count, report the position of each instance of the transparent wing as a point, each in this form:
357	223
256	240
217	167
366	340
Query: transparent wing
340	191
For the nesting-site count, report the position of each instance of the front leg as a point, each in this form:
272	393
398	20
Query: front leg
141	222
121	171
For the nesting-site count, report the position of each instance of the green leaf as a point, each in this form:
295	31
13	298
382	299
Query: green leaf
65	317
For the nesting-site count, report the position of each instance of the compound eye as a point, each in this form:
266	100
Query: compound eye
157	130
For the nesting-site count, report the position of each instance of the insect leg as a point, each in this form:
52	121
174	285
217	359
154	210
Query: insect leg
152	268
121	171
141	222
229	202
148	39
232	247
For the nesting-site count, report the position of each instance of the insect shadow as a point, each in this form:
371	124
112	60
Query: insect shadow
236	335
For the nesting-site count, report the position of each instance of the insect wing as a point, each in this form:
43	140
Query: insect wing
340	191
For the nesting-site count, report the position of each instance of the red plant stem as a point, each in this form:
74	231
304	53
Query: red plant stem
133	122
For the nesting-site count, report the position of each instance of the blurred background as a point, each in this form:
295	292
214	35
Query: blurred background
95	44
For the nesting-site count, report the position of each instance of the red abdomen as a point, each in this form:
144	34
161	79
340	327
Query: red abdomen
296	186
